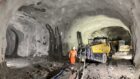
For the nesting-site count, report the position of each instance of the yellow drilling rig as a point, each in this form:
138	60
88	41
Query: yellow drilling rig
100	49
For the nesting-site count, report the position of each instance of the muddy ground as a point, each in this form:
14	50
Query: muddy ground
37	68
43	69
115	70
120	69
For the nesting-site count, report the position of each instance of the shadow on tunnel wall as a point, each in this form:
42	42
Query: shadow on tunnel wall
13	37
55	48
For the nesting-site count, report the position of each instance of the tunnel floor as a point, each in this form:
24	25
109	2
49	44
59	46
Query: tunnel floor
120	69
36	68
42	69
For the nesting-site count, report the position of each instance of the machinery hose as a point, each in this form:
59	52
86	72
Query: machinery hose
58	75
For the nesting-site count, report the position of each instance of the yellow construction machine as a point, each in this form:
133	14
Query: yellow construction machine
99	49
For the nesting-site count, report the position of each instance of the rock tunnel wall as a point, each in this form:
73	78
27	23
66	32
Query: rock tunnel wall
61	14
35	38
64	12
89	24
113	33
13	37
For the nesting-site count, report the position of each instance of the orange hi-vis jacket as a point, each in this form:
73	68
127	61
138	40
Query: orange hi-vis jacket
72	56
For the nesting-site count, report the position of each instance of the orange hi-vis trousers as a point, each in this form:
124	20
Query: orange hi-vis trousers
72	54
72	60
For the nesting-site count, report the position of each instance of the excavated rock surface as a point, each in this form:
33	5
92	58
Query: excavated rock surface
59	14
119	70
115	70
31	20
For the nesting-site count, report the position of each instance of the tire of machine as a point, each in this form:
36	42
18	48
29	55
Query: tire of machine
104	58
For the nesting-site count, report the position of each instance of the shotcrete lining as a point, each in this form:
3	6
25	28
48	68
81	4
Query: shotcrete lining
88	24
113	33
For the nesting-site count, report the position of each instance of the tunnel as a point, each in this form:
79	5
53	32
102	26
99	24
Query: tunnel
89	25
41	32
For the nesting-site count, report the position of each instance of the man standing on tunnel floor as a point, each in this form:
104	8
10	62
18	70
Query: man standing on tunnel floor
72	55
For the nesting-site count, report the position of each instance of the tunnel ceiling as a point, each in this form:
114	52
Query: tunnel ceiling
113	33
89	24
64	12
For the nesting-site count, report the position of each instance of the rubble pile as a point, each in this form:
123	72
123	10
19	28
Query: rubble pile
37	71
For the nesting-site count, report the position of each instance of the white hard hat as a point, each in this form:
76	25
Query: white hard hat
73	48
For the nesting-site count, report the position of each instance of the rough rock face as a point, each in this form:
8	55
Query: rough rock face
120	71
61	13
113	33
32	38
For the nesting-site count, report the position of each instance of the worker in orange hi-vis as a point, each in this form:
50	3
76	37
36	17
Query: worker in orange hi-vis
72	55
